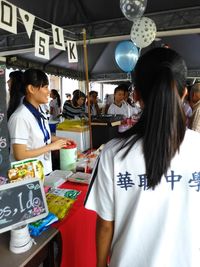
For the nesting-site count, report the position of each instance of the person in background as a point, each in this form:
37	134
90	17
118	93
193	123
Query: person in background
55	105
68	97
75	108
28	127
145	186
195	98
120	106
94	107
134	110
109	99
16	91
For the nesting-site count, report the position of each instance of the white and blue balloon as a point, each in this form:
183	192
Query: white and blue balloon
143	33
126	55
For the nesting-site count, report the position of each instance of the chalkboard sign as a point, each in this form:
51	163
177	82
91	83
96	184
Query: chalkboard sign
4	141
21	203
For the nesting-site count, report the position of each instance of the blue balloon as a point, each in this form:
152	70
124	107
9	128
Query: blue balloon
126	55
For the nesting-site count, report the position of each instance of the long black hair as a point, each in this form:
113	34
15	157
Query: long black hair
17	91
56	94
159	78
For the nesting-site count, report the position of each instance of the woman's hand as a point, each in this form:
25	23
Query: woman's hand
67	141
58	144
70	142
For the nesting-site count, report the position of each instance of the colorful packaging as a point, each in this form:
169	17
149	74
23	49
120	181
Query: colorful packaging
58	205
40	226
60	201
26	169
70	193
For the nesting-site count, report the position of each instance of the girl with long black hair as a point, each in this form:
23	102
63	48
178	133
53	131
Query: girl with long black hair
146	184
16	91
28	126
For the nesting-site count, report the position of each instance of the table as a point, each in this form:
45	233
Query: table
43	251
75	235
78	232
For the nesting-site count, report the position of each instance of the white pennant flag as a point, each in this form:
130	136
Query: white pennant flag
28	20
58	37
72	52
8	17
41	45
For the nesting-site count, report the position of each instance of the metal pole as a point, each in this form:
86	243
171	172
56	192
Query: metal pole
87	85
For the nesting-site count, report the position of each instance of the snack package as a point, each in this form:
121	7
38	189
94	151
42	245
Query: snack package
70	193
26	169
59	205
40	226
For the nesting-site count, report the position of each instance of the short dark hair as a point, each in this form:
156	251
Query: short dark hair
76	96
93	93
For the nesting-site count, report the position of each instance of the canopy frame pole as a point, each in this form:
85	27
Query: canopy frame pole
87	84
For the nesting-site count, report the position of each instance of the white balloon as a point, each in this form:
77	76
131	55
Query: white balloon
143	32
133	8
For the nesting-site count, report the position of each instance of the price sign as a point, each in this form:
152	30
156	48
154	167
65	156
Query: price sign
21	203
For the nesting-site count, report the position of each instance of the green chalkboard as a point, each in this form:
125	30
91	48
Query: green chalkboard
21	203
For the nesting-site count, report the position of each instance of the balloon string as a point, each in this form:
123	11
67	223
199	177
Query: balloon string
139	52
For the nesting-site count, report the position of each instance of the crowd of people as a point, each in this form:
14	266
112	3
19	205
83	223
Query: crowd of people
122	101
145	186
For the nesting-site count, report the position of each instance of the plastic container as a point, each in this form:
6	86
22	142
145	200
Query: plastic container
20	240
68	157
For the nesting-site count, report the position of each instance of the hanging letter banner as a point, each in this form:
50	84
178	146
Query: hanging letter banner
58	37
8	17
72	52
28	20
41	45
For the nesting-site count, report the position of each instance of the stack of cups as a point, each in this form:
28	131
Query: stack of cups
20	240
68	157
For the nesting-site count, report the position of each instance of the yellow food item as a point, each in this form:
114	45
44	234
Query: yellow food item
58	205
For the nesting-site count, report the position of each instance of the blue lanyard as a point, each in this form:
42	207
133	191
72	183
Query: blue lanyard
40	119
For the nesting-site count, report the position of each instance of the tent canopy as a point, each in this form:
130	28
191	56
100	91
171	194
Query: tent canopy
177	21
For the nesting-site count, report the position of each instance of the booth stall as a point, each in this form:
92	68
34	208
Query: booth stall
74	237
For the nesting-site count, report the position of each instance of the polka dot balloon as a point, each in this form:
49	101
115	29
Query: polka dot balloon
143	32
133	8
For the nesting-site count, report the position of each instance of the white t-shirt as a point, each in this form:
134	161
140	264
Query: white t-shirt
24	129
153	228
125	109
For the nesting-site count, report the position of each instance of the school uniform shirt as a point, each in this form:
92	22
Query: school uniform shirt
152	228
24	129
122	110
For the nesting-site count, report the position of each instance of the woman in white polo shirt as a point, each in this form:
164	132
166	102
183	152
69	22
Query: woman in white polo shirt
146	185
28	127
